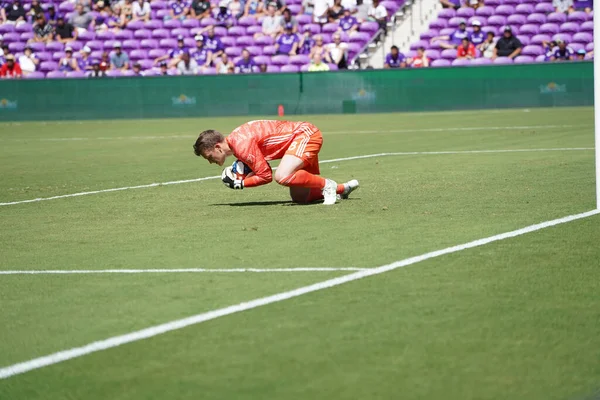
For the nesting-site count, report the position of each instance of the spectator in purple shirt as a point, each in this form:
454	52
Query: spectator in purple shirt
477	36
348	23
201	54
454	40
395	59
288	42
34	10
223	15
174	55
178	10
306	41
51	15
246	64
213	44
562	52
584	5
85	62
68	62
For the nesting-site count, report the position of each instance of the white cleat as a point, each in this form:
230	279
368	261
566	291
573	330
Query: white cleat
349	187
329	192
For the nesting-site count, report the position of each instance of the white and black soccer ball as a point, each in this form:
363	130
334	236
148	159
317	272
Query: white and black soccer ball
240	170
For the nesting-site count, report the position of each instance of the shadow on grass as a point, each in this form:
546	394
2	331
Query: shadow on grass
272	203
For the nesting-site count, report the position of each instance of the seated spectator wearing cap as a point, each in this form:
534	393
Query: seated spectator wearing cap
563	6
336	11
580	55
64	32
13	14
395	59
246	64
141	11
488	45
348	23
508	45
450	4
118	58
477	36
42	31
378	13
10	69
222	15
254	8
96	71
200	9
165	71
287	19
584	5
288	42
51	15
200	53
338	51
174	55
317	64
213	43
80	19
306	42
420	60
68	63
466	50
178	10
85	62
187	65
270	24
28	61
455	39
224	65
562	52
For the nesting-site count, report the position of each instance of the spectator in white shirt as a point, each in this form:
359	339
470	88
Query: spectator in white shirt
28	61
563	6
141	11
362	11
270	24
378	13
338	52
321	11
187	65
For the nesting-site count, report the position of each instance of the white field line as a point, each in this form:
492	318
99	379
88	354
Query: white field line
408	153
186	136
146	333
171	271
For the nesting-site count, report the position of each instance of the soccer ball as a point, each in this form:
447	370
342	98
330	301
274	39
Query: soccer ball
240	170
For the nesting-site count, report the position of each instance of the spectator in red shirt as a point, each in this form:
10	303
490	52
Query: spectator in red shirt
11	69
466	50
420	60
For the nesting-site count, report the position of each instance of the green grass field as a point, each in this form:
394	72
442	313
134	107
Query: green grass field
515	319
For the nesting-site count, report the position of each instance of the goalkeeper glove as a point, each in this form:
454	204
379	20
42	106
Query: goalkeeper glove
229	179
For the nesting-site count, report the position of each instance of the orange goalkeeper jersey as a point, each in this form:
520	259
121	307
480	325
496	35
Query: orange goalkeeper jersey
257	142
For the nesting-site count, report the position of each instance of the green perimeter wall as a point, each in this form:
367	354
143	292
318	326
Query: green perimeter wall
429	89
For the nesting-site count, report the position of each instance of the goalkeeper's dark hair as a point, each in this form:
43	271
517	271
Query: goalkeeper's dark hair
207	140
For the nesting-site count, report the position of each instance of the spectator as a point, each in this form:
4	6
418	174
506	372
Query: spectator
270	24
246	64
200	9
508	45
548	49
319	49
254	7
13	14
137	69
563	6
450	4
362	11
378	13
187	65
106	20
85	62
224	64
126	14
280	5
141	11
118	58
475	4
320	10
262	68
42	31
5	52
213	44
80	19
455	39
562	52
487	47
335	11
104	63
421	60
583	5
64	32
236	8
10	69
178	10
96	71
223	15
395	59
28	61
51	15
306	41
201	54
349	5
35	9
348	23
308	7
338	51
164	69
287	43
87	4
288	19
580	55
477	36
466	50
318	65
68	63
174	55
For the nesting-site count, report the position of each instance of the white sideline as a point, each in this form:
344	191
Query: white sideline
169	271
409	153
115	341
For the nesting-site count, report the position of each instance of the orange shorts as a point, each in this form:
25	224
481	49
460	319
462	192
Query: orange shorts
306	146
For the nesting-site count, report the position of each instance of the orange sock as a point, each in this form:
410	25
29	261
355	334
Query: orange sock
304	179
340	188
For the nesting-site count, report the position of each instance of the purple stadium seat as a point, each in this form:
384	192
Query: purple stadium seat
236	31
171	24
438	24
48	66
485	11
390	6
75	74
368	26
524	9
209	71
576	46
532	50
113	73
247	21
530	29
505	10
35	75
496	20
462	62
420	43
557	18
76	46
299	60
447	31
569	27
44	56
16	47
493	3
544	8
55	74
105	35
189	42
296	8
162	14
124	35
447	13
255	50
142	34
272	68
516	20
244	41
503	60
289	68
465	12
54	46
481	61
589	47
190	23
538	39
524	39
587	26
208	21
302	19
138	54
233	51
253	30
24	27
146	64
228	41
515	2
86	35
549	29
264	41
155	53
26	36
168	43
127	73
37	46
454	22
108	44
262	60
448	54
66	6
493	29
149	44
153	24
161	34
315	29
332	67
6	28
583	37
96	54
57	55
280	59
429	34
441	63
330	28
304	68
433	54
563	36
578	16
135	25
357	37
159	5
180	32
11	37
536	18
131	44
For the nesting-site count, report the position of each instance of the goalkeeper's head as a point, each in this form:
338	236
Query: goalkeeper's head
212	146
